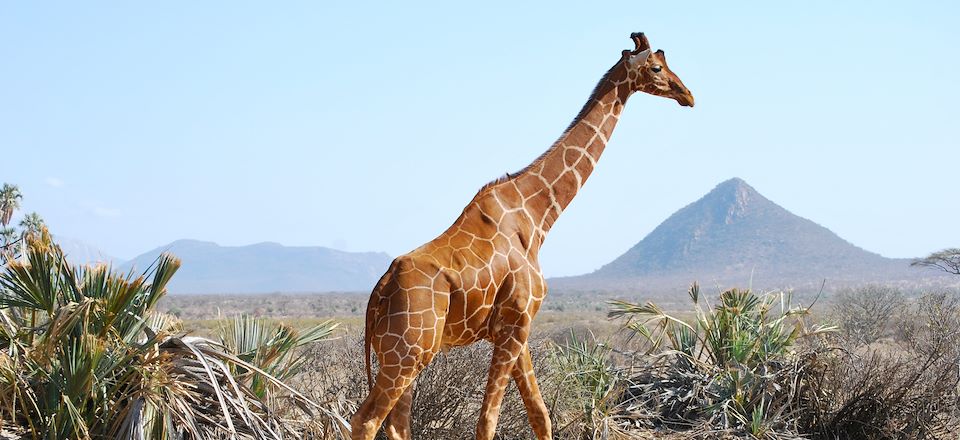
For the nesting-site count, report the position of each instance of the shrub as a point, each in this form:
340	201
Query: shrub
732	369
865	314
586	381
274	348
85	355
932	325
908	391
332	375
879	396
447	393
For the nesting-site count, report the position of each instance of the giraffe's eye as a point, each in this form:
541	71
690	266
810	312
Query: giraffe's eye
656	68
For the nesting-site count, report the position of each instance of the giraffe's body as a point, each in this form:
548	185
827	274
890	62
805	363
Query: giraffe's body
481	279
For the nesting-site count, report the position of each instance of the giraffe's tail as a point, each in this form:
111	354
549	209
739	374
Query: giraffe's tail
373	306
367	337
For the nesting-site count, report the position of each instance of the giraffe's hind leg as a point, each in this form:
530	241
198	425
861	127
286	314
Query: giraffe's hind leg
404	347
405	333
530	393
393	381
397	425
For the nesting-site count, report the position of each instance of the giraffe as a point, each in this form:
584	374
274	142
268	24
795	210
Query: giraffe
481	279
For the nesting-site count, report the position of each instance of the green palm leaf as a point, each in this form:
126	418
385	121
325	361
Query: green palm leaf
85	355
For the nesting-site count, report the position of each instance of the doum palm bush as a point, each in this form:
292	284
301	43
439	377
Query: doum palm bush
730	366
586	377
271	346
84	354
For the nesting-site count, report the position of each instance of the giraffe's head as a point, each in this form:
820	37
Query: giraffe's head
647	72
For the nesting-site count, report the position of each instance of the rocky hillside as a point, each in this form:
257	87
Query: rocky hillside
734	235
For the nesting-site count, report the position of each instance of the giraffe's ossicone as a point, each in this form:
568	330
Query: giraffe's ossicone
481	279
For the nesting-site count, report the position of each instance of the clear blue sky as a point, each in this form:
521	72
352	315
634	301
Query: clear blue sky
369	126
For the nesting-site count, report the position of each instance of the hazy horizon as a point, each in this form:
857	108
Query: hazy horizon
127	260
368	128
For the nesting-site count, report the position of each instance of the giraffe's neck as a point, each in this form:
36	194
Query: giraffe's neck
551	182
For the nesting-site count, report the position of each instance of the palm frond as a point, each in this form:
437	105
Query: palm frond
86	355
726	364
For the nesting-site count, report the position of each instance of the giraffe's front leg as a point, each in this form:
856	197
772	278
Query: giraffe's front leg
537	411
507	347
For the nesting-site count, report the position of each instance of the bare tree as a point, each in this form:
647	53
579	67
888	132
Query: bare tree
866	313
947	260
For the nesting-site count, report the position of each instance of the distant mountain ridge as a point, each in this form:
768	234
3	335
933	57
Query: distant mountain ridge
266	268
80	252
733	234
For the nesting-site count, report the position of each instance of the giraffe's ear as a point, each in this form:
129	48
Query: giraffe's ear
637	59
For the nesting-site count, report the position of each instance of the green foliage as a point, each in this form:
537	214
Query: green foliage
31	223
270	346
83	354
11	240
729	366
584	373
9	202
72	337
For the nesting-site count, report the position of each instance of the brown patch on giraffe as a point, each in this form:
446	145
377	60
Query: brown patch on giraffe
570	157
483	247
583	168
609	125
549	219
509	195
538	204
551	169
493	207
581	134
594	118
418	278
567	182
461	239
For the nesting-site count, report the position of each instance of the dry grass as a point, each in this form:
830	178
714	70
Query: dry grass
447	394
901	385
905	388
831	387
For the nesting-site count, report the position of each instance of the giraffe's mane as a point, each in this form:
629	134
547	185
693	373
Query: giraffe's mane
597	91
